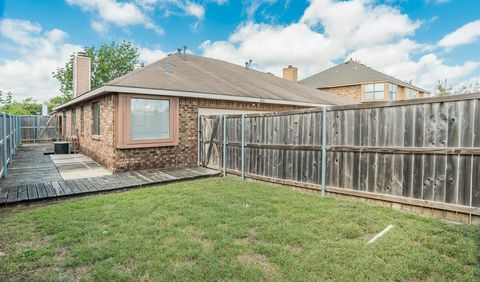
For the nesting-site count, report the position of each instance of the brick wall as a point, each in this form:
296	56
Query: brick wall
103	148
353	92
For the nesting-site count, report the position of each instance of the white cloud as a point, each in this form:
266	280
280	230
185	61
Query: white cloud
122	14
330	31
99	27
466	34
148	55
37	55
195	10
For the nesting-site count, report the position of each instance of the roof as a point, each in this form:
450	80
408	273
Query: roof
351	73
203	77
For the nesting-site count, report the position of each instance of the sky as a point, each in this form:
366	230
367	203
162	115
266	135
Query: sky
421	41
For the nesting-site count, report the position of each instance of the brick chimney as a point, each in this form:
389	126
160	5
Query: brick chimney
290	73
81	74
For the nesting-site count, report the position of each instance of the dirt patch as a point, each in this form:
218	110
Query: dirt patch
260	261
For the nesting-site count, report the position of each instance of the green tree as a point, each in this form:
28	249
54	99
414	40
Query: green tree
443	88
27	106
108	62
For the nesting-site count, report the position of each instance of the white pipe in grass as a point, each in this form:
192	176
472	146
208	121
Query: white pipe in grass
384	231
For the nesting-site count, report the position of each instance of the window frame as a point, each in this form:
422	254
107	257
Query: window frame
94	134
392	95
407	90
123	125
364	94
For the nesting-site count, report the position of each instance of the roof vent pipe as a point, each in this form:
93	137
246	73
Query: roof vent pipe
247	64
184	51
179	52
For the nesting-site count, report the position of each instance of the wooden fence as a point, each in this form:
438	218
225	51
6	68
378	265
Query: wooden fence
39	128
10	140
423	152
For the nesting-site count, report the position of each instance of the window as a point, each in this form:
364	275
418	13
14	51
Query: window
392	92
149	119
96	118
144	121
411	94
82	119
374	91
74	122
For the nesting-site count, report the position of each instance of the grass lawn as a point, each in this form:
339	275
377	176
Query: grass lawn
226	229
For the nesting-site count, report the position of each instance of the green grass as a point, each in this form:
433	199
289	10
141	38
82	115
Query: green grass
226	229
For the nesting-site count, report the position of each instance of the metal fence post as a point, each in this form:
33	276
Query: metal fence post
324	149
224	145
4	124
10	129
243	146
14	131
198	140
19	130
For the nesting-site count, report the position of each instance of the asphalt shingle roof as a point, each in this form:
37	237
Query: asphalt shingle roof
213	76
351	73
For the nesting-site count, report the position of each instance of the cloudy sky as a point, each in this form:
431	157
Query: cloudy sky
417	40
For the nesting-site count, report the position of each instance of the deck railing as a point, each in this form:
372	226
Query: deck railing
10	140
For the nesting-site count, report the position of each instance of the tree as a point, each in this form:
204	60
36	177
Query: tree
443	88
108	62
27	106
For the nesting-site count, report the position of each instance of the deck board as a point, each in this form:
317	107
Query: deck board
34	176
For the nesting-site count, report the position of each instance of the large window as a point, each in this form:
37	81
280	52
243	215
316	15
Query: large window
146	121
411	94
374	91
149	119
392	92
96	118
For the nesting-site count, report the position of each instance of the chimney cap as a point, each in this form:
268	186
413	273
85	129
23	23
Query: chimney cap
82	54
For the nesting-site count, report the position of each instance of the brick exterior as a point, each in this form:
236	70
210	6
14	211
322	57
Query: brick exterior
103	149
353	92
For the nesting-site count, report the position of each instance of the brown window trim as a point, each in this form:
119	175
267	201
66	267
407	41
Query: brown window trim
122	121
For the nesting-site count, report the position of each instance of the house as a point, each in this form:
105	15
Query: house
148	117
359	82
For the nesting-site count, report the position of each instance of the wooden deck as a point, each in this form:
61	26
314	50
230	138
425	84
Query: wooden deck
39	179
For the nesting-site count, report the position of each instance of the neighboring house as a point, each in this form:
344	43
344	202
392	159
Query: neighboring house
148	117
359	82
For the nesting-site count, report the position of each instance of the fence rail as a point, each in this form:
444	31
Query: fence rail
10	140
425	152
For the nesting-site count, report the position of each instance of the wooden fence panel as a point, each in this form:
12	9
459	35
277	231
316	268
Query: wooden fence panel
423	149
39	128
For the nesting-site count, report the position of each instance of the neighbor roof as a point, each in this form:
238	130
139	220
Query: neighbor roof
203	77
351	73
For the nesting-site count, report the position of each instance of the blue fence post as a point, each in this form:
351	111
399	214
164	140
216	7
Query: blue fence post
243	146
19	130
14	131
224	145
10	134
324	149
4	123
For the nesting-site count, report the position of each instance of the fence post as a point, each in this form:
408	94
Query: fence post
324	149
19	130
243	146
10	129
14	134
198	140
4	124
224	145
